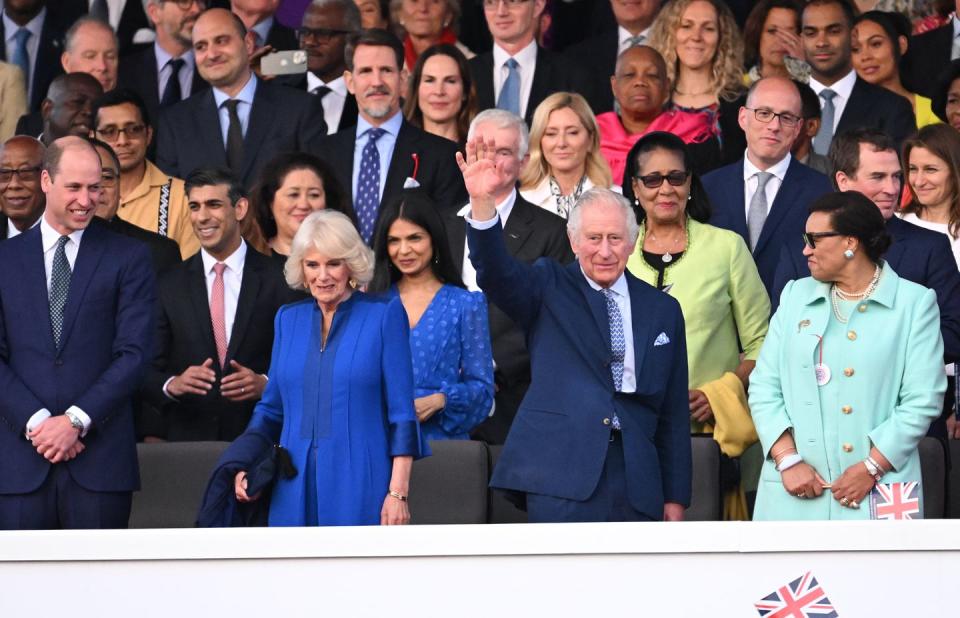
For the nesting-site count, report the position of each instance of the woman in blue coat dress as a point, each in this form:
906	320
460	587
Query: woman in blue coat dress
449	332
849	376
340	393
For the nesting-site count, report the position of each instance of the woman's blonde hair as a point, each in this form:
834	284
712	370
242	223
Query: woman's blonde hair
537	167
727	69
332	234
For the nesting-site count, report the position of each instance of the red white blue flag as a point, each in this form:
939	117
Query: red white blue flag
801	598
895	501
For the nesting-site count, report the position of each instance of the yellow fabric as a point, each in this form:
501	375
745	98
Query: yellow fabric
733	430
924	111
735	505
141	207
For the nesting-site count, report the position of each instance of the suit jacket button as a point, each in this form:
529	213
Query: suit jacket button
852	335
847	447
58	362
606	421
848	371
846	409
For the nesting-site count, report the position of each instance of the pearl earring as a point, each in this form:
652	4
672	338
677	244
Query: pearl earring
848	254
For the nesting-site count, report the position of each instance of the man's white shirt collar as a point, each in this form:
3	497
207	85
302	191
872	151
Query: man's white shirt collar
843	86
234	261
526	57
504	208
779	170
50	236
619	286
338	85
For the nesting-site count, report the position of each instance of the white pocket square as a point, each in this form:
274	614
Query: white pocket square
661	339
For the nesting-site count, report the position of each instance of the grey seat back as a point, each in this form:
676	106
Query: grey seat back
450	486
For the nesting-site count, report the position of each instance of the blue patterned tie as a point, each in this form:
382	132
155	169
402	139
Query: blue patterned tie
618	344
59	288
510	93
21	57
367	201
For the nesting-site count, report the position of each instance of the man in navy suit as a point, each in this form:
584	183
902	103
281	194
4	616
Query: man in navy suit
764	196
602	433
76	313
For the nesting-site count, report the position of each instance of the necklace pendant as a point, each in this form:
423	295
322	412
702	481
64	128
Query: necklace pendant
823	373
667	258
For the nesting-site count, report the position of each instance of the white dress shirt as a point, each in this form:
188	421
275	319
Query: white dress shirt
333	102
527	60
13	231
751	181
843	87
48	239
164	71
35	26
245	96
955	47
624	35
621	296
114	11
504	208
232	279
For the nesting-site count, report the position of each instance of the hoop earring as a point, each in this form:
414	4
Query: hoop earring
848	254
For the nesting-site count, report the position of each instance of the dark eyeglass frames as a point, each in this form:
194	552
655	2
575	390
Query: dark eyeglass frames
26	174
810	238
767	115
319	34
653	181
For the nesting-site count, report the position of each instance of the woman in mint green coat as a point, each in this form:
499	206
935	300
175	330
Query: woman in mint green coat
849	376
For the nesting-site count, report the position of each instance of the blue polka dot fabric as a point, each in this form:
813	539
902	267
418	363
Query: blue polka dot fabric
367	198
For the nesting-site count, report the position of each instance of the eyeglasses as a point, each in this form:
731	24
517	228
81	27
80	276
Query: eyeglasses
26	174
319	34
184	5
132	131
655	180
493	4
810	238
767	115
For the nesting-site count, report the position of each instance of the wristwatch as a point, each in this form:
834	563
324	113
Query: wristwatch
872	470
75	422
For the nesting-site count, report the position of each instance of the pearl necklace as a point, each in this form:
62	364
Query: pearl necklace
836	295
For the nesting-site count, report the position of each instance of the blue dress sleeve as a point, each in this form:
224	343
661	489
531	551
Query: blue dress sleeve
470	398
268	414
397	371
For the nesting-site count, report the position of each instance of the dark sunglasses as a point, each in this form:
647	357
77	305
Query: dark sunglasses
810	238
653	181
319	34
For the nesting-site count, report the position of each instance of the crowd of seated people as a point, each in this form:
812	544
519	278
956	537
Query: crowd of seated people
369	224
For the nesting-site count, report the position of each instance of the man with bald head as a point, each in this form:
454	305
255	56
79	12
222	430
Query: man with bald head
241	122
91	47
764	196
66	110
21	200
75	334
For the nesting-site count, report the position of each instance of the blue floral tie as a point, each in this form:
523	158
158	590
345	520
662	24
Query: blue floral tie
618	344
367	201
59	288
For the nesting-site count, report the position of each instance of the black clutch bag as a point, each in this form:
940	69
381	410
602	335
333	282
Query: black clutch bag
275	464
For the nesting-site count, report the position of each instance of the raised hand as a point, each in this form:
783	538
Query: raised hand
480	176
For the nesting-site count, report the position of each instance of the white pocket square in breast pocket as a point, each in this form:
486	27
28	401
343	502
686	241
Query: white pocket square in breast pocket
661	339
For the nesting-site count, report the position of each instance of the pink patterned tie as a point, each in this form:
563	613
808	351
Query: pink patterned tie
217	313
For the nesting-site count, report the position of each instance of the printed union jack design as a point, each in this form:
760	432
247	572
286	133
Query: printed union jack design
895	501
801	598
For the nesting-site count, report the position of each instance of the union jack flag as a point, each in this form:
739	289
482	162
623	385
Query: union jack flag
801	598
895	501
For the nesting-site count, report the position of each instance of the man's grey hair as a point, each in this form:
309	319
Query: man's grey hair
351	14
86	20
599	195
502	119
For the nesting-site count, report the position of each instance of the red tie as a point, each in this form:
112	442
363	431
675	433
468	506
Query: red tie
217	314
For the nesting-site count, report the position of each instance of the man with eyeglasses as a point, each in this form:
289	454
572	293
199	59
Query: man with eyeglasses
323	35
21	200
764	196
165	72
518	74
149	198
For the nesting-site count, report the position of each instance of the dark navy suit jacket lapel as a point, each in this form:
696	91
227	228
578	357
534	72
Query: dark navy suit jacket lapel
197	292
735	196
249	289
642	338
35	280
784	201
595	341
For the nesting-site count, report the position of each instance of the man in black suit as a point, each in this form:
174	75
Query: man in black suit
928	54
847	101
518	74
42	42
21	200
215	322
241	122
374	158
530	233
259	18
66	110
165	72
632	28
323	36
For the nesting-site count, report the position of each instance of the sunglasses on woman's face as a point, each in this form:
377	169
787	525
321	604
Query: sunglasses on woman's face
653	181
810	238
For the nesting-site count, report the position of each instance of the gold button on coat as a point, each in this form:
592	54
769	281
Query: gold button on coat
848	371
847	447
846	409
862	308
852	335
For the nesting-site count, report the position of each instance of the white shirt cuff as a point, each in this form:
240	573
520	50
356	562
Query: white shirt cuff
38	417
83	419
483	225
166	392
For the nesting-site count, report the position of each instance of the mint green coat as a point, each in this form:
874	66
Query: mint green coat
892	350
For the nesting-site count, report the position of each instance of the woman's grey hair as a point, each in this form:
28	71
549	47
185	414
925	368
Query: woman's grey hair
599	195
332	234
502	119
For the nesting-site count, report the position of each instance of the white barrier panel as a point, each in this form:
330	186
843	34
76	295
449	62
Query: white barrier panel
870	569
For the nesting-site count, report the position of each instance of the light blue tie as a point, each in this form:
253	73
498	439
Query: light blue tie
59	288
821	143
510	93
618	344
21	57
367	201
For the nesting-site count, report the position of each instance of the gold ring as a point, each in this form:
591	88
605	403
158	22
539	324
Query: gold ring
845	501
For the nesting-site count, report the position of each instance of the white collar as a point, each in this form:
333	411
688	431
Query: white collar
619	286
234	262
843	86
50	236
956	25
778	169
504	208
338	85
623	34
526	57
